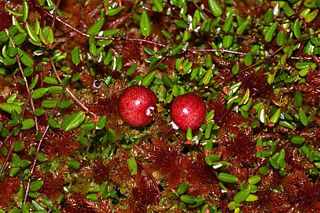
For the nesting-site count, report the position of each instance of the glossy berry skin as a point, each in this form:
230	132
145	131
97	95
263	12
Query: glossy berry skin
188	110
136	105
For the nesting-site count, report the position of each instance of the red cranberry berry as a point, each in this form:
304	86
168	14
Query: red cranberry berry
188	110
136	105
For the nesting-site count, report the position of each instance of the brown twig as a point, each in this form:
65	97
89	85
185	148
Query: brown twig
192	50
55	14
274	53
24	78
69	91
66	24
5	140
3	166
29	99
301	58
39	145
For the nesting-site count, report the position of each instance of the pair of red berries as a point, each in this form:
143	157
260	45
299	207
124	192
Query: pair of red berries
137	104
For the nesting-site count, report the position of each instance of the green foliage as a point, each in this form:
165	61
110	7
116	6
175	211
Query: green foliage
258	72
145	24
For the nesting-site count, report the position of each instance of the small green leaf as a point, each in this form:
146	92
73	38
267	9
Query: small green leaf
92	46
114	11
108	58
50	80
12	51
207	77
16	24
37	206
281	38
182	188
43	38
181	24
55	89
288	10
298	99
157	5
96	27
111	32
25	58
275	117
73	121
39	93
270	32
92	196
215	8
131	70
2	71
75	56
132	165
312	3
251	198
102	122
48	33
25	208
104	42
297	139
12	98
74	164
254	179
27	124
297	28
227	178
24	163
227	41
13	12
210	160
64	104
18	146
311	16
145	24
3	36
32	34
25	10
41	157
189	134
167	81
228	24
49	103
34	82
242	195
13	171
19	38
248	59
303	117
243	27
36	185
148	79
10	107
189	199
53	123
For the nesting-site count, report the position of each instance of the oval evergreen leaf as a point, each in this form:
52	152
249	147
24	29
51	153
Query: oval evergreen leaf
27	124
215	8
73	121
39	93
132	165
75	55
36	185
96	27
145	24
